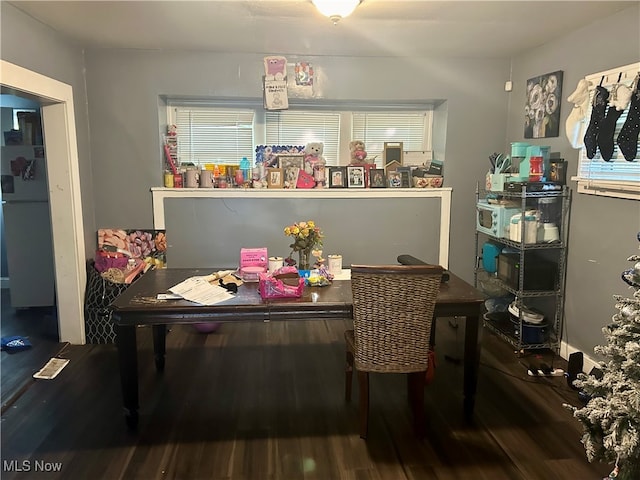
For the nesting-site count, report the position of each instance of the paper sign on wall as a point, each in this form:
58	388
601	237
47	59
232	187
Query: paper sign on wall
275	83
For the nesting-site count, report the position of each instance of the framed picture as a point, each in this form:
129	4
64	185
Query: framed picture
405	176
274	178
290	165
394	179
337	177
355	177
542	106
377	178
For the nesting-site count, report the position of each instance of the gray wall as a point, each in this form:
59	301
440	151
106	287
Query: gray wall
29	44
123	90
602	230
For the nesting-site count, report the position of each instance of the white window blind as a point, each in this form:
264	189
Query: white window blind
298	127
617	177
217	131
376	128
214	135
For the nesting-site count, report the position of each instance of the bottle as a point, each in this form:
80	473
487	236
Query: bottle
245	166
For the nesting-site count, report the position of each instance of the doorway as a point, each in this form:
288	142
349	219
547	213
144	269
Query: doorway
58	119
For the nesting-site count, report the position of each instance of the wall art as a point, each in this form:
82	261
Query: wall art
542	107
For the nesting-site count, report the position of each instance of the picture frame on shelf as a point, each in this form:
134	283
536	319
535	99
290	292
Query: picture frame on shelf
394	179
355	176
405	176
274	178
377	178
290	165
337	177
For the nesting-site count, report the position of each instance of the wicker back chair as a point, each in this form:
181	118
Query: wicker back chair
392	316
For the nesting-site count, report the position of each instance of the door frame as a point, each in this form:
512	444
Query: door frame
65	202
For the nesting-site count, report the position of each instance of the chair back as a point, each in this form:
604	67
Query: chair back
392	316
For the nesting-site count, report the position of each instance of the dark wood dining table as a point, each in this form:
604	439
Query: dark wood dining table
139	306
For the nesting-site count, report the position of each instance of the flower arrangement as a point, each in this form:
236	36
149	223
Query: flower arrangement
307	236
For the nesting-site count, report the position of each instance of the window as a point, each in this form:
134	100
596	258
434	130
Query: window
214	135
374	128
616	177
299	127
220	133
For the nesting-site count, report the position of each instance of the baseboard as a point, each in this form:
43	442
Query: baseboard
589	362
4	282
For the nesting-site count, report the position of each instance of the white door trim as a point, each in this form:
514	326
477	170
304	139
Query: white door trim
59	129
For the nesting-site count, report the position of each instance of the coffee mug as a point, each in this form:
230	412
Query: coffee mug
191	178
206	179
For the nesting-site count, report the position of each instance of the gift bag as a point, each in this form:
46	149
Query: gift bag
283	283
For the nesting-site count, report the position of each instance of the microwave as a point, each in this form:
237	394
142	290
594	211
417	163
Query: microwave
493	219
540	274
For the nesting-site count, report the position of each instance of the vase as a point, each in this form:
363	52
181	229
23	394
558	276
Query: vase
303	259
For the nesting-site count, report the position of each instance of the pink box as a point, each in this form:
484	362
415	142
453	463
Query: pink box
254	257
252	262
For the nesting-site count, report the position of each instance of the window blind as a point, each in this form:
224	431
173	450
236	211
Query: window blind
217	131
376	128
214	135
617	177
297	127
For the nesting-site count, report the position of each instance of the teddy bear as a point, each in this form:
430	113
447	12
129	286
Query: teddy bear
358	153
314	162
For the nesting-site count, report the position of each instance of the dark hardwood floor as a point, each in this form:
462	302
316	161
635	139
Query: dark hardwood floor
265	400
40	327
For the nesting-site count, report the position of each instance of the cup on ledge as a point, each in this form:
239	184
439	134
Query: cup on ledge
206	178
191	178
275	263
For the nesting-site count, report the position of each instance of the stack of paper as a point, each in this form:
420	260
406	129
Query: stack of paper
200	291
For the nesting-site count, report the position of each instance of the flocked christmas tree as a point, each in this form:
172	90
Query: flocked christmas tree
611	417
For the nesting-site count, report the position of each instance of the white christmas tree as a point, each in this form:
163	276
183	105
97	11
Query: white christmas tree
611	417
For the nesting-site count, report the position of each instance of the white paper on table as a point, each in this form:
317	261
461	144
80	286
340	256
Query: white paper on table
200	291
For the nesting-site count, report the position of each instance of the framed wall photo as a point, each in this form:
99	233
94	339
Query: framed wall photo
290	165
542	106
274	178
394	179
337	177
377	178
355	176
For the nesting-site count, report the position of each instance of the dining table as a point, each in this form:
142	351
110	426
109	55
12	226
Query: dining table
140	305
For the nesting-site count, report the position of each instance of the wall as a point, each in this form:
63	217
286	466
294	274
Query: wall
30	44
123	90
602	230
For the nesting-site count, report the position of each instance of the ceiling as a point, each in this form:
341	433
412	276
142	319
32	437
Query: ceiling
294	27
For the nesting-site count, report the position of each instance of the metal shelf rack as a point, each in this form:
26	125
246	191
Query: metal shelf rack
509	330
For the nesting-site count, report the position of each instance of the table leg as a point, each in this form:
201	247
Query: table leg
472	349
128	361
159	345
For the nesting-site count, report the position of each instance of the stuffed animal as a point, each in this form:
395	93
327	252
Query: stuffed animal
314	162
358	153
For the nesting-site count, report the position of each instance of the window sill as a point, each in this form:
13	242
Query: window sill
608	189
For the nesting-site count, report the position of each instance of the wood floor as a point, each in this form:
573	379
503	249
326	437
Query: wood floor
266	401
